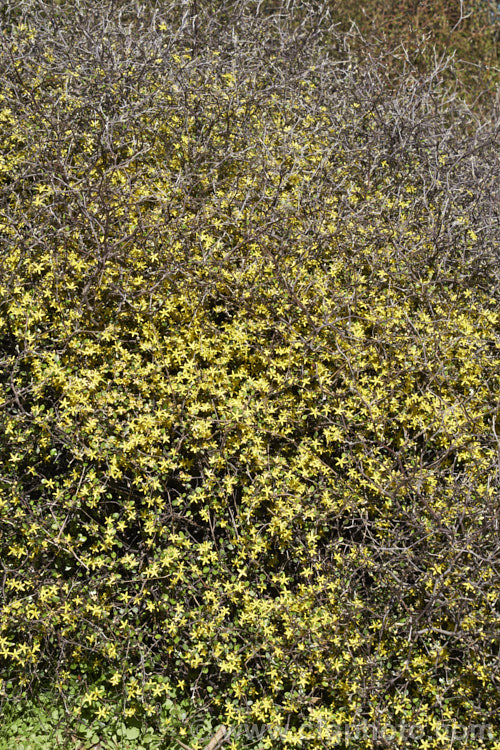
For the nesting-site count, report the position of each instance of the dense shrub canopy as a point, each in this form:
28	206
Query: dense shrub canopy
249	384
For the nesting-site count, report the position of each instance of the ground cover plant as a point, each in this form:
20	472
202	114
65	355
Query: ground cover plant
249	380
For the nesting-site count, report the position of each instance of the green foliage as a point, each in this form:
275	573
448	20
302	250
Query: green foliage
47	723
44	726
249	378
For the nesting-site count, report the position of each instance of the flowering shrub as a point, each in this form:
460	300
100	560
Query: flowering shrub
249	347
